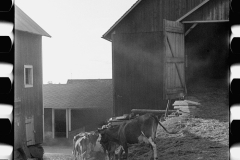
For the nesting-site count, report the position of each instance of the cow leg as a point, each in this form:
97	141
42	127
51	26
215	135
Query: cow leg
80	156
125	147
111	154
118	153
106	156
154	147
77	156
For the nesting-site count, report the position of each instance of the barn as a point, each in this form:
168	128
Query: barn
161	47
28	96
79	105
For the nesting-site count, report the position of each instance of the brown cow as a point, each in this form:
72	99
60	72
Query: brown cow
140	129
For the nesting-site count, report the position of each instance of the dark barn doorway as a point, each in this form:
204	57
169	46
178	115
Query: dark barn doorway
60	123
207	52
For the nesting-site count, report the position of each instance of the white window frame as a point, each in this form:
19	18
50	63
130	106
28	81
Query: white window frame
31	76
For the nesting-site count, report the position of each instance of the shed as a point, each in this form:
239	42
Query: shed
160	46
77	104
28	96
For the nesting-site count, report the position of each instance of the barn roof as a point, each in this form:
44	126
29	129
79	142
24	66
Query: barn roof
79	94
24	23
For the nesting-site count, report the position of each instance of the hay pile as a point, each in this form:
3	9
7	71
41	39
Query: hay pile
200	139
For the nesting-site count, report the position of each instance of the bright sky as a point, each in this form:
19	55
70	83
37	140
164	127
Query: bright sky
76	49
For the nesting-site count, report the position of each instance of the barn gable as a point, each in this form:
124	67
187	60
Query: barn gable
147	15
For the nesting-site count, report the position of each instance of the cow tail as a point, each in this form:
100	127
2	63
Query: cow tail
164	127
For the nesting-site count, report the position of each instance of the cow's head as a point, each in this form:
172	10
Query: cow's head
108	135
93	136
103	138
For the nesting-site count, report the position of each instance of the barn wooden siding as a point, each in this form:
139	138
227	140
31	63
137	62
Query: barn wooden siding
214	10
137	72
28	51
149	14
129	36
173	9
138	60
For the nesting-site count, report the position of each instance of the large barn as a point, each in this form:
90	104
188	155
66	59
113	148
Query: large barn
160	47
28	80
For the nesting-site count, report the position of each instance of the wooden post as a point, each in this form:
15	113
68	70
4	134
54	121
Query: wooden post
189	30
70	119
168	104
113	76
67	123
43	124
53	123
157	112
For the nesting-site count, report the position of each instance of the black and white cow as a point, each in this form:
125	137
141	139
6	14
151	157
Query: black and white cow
83	144
140	129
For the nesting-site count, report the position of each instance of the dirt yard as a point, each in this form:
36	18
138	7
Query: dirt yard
205	137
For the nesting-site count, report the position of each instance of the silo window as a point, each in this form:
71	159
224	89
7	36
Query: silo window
28	76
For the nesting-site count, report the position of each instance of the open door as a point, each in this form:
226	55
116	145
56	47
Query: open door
174	60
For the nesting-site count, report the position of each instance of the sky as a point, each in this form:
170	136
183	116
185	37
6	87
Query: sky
75	49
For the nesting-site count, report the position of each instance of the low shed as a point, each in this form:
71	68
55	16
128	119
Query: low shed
75	105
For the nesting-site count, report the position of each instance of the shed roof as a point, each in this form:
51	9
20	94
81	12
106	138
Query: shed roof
24	23
80	94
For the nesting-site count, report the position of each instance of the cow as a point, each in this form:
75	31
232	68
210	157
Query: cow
93	136
140	129
83	144
109	146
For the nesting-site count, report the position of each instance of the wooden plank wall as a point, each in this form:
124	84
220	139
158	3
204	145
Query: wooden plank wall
138	72
213	10
143	18
28	51
174	9
19	121
149	14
